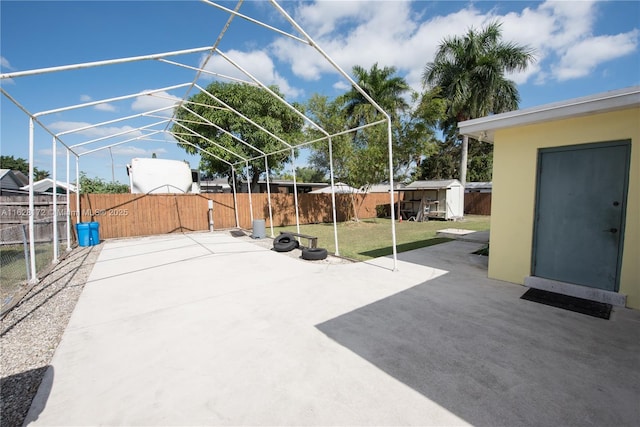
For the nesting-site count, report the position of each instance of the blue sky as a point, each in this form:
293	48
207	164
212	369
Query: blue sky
582	48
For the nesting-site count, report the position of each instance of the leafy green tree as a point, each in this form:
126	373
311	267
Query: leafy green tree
480	162
303	174
328	115
310	174
417	138
361	158
368	160
344	153
22	165
444	162
98	185
470	72
220	123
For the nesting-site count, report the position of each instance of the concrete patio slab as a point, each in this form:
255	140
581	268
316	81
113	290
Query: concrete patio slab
207	329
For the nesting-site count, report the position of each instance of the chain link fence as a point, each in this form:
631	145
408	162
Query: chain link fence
15	255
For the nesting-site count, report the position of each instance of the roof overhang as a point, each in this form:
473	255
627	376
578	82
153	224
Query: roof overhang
432	185
46	184
483	129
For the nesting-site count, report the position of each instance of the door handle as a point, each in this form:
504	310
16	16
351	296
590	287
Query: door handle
612	230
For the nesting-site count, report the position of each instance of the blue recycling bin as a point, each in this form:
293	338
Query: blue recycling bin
88	233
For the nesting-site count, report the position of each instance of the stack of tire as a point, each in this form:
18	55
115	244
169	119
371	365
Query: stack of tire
286	242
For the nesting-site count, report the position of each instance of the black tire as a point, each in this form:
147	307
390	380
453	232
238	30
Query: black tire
314	254
284	243
284	238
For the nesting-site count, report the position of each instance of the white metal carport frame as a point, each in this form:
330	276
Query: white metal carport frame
152	129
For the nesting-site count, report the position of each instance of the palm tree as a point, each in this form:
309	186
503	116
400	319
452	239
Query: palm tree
470	72
370	144
363	156
382	86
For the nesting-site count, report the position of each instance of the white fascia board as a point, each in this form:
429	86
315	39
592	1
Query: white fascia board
484	128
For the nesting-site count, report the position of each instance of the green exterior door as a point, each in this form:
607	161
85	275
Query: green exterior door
580	213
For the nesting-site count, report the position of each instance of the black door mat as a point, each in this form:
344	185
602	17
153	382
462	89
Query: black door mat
579	305
237	233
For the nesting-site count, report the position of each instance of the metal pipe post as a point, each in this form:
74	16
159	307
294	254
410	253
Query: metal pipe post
235	197
333	197
295	188
210	203
249	179
54	166
78	213
68	212
32	239
266	167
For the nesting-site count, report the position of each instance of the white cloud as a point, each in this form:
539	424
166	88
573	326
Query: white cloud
105	107
153	101
133	151
323	17
377	32
4	63
389	33
581	58
6	66
572	21
125	150
100	107
341	85
94	132
392	34
257	63
568	47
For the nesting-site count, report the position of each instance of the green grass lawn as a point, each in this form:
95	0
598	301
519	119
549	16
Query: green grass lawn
371	238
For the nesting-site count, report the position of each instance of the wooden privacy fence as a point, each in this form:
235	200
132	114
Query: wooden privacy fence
14	212
15	209
125	215
477	203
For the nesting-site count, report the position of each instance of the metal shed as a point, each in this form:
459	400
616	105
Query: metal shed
438	199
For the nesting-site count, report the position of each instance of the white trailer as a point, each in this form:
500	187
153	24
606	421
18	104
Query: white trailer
152	176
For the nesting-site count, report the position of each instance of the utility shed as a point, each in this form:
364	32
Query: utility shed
438	199
566	196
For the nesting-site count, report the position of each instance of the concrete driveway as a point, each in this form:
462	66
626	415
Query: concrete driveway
208	329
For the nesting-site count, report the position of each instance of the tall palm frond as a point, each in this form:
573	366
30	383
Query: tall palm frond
387	90
470	73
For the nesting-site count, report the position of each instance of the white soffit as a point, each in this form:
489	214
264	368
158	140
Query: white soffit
483	129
